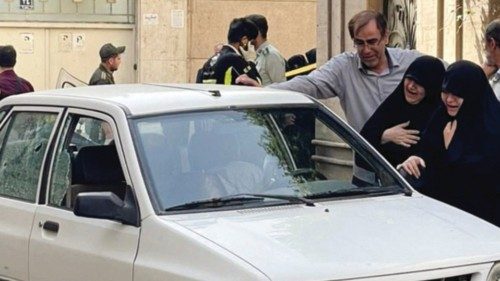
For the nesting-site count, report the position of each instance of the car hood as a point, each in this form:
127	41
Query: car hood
350	238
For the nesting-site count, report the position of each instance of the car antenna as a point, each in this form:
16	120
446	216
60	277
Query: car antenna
213	93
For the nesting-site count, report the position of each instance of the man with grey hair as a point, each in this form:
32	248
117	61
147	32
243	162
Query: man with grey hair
492	52
361	80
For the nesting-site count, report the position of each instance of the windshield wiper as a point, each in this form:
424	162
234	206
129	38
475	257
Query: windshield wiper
371	191
237	199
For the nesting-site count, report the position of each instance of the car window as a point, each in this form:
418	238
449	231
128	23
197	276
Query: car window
86	160
299	151
2	114
24	142
90	131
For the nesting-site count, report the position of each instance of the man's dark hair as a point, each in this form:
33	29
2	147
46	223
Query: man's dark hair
261	23
493	31
241	27
361	19
7	56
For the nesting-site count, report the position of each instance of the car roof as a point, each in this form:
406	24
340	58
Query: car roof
147	99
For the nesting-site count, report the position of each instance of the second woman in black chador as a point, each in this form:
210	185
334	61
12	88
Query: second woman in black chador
460	150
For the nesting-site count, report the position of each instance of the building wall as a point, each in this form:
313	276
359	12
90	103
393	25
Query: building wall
454	29
43	49
166	40
54	34
292	25
162	40
172	52
450	29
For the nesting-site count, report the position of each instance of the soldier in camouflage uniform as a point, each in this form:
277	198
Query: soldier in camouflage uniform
110	61
270	63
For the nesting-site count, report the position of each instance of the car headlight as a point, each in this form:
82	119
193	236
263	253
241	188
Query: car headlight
494	273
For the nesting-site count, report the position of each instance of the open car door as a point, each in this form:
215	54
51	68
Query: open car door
66	80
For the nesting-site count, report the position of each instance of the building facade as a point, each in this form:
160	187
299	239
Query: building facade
166	41
449	29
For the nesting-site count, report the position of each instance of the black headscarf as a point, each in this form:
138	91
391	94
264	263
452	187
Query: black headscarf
466	174
468	81
428	72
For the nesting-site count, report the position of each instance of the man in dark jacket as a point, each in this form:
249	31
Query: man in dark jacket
238	56
10	83
110	61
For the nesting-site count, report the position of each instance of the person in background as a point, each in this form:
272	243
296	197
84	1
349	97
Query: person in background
460	150
238	55
407	109
10	83
110	62
218	48
270	63
205	74
492	51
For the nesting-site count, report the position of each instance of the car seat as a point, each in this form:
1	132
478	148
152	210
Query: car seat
97	168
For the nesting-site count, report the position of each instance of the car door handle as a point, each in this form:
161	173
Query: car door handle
51	226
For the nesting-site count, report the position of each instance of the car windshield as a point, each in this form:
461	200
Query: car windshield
191	160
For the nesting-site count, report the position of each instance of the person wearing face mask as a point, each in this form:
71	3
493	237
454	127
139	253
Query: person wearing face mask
394	129
270	63
460	150
238	56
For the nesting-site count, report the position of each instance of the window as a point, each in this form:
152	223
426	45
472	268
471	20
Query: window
86	160
24	142
2	114
190	157
110	11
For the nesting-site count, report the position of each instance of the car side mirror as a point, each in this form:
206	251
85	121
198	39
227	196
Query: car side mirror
107	205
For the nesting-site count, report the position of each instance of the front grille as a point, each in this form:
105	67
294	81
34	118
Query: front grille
466	277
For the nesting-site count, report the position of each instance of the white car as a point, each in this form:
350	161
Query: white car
207	182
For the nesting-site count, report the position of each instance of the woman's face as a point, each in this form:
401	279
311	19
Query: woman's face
452	103
414	93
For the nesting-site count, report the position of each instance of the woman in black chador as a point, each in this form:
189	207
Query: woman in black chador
459	160
395	126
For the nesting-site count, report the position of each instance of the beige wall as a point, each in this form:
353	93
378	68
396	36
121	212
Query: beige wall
437	25
172	38
452	43
41	60
162	43
174	54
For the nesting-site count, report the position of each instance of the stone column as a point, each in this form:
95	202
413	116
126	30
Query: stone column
162	30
